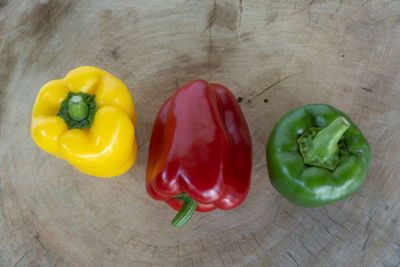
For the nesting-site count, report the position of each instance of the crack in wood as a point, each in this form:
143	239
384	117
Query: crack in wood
291	256
230	255
241	4
339	6
210	43
22	258
271	19
309	12
212	17
323	226
365	244
363	4
202	244
255	239
241	250
319	243
290	215
142	144
367	89
334	221
306	248
272	85
278	207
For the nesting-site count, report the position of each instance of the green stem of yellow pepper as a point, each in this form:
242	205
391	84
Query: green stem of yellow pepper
77	108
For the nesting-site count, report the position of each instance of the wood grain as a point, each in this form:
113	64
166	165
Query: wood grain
274	55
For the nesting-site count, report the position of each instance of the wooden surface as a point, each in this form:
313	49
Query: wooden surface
275	55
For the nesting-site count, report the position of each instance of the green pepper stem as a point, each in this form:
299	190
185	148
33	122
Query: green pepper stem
77	108
186	211
325	142
320	147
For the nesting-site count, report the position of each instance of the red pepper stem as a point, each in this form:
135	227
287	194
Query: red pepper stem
186	211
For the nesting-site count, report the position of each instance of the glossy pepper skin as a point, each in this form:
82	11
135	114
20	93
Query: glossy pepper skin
326	177
107	146
200	146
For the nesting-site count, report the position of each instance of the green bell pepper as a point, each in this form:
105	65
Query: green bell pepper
316	155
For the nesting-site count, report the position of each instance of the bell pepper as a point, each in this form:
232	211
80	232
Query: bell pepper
200	151
88	119
316	155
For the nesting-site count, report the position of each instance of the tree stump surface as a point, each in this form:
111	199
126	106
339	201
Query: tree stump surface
275	55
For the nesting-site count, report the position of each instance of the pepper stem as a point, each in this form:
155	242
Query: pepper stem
77	108
186	211
320	147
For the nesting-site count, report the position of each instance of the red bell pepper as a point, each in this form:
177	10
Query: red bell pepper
200	151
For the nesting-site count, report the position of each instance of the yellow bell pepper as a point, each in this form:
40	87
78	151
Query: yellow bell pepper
88	119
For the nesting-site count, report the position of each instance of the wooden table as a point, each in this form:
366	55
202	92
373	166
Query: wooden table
275	55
